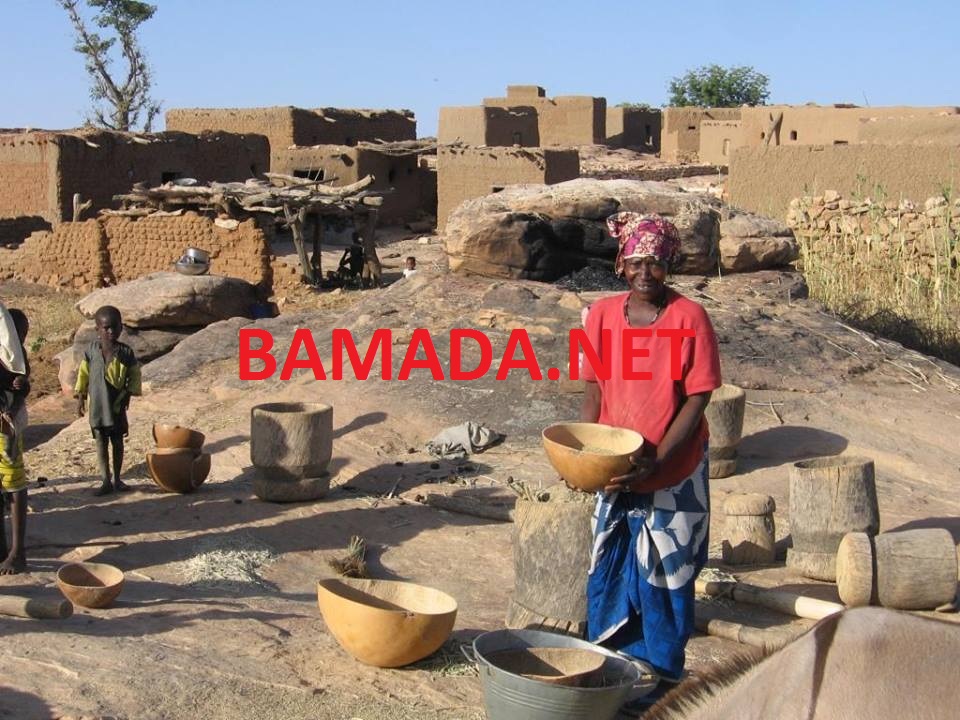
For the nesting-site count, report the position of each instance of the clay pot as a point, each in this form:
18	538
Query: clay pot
175	436
290	446
178	470
588	455
557	666
386	623
724	415
90	585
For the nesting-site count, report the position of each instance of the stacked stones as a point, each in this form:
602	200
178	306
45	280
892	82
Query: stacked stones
888	226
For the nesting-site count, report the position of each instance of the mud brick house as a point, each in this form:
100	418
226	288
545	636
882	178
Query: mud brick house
492	126
391	166
634	127
41	170
794	125
467	172
288	126
680	133
527	117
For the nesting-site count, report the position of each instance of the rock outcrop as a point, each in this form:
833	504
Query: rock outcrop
543	232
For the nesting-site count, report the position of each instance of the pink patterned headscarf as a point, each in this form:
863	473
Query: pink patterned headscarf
643	235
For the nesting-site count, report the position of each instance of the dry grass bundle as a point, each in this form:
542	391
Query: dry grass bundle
352	564
890	268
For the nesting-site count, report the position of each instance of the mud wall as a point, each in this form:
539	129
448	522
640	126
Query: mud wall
680	132
28	199
103	165
764	180
634	128
469	172
338	126
275	123
827	125
349	164
106	251
493	126
718	139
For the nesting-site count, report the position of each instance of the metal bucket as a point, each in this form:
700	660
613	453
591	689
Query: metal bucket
507	696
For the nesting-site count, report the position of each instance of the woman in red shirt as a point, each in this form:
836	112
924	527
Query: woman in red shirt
651	525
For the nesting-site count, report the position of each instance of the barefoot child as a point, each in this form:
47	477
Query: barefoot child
109	374
14	387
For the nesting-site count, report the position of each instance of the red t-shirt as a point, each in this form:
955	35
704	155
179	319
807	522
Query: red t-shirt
649	406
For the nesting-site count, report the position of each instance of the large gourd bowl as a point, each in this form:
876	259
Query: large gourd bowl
588	455
386	623
178	470
90	585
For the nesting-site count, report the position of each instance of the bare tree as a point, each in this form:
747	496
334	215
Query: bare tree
119	102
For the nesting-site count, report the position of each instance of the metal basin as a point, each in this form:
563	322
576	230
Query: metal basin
509	696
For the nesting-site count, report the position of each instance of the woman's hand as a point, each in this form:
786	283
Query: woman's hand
643	468
80	399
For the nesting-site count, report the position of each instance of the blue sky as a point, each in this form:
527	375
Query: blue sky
422	55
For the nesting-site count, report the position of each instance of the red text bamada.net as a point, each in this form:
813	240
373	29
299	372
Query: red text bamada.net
258	363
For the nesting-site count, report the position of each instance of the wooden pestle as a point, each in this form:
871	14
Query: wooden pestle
34	608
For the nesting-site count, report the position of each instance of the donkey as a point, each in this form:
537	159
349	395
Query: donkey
862	664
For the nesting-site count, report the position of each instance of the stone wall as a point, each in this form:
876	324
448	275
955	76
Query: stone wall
680	134
718	138
469	172
634	128
111	250
890	266
764	180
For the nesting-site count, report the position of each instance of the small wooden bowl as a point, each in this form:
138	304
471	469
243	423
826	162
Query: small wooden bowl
588	455
90	585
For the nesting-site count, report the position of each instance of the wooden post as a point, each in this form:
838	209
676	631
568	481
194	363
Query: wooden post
295	223
79	207
316	261
372	268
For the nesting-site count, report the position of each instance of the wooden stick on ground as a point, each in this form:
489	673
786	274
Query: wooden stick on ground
467	506
33	608
779	600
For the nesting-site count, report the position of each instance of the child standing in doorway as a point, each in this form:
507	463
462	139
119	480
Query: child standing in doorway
109	375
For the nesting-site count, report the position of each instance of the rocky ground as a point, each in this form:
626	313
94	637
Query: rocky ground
218	617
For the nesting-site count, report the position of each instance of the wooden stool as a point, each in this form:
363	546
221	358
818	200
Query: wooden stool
749	533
